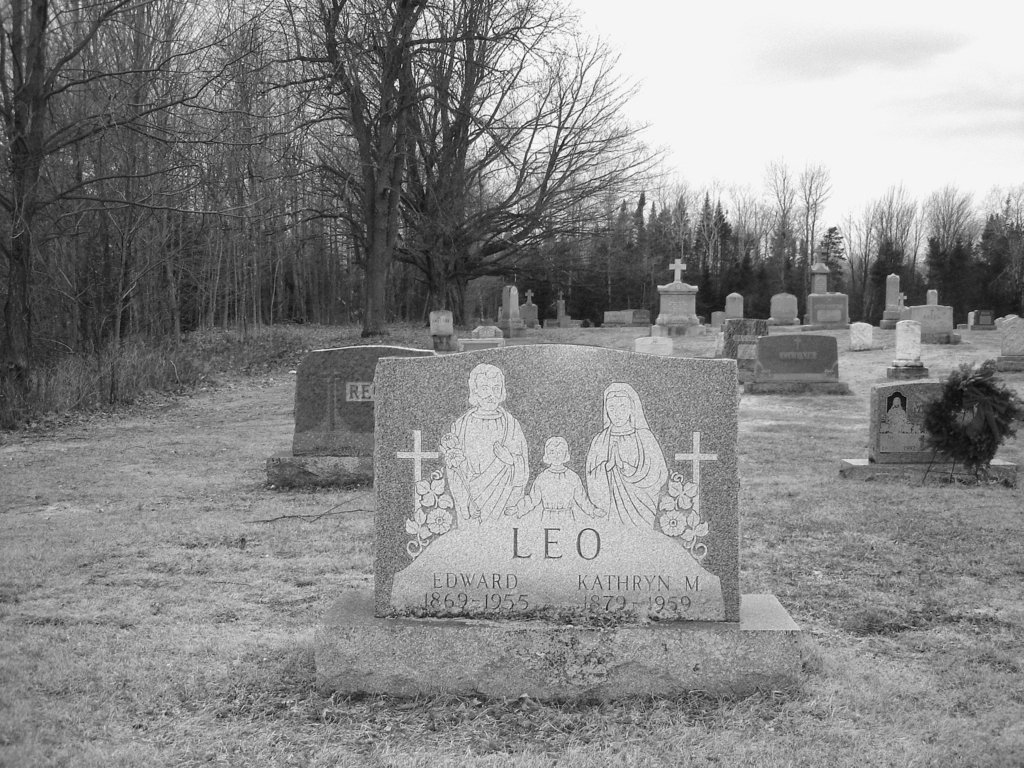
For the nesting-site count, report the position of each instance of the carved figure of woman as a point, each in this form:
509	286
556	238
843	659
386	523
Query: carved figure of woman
626	468
485	452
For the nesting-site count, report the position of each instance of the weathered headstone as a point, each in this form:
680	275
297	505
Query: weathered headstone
932	297
482	337
739	342
936	323
825	309
981	320
907	364
861	337
1011	339
898	440
784	310
334	412
733	306
528	311
562	318
891	314
622	318
565	496
442	330
654	345
717	318
794	363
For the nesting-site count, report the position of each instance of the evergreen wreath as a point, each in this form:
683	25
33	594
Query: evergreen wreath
974	415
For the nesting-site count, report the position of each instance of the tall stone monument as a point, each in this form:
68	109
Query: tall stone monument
678	306
893	305
825	310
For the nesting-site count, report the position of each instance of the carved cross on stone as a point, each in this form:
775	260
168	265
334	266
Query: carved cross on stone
696	457
677	268
417	454
529	297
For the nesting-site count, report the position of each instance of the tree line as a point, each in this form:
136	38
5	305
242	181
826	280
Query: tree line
176	165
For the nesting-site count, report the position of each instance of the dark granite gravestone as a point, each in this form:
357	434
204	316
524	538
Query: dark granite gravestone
984	320
334	412
621	318
898	441
739	343
538	505
797	363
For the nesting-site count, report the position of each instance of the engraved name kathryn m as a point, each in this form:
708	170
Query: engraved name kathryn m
587	544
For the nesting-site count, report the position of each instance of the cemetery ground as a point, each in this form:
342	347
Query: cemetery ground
158	601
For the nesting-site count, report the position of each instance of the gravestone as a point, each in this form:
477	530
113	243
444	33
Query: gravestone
733	306
677	314
1011	342
796	363
482	337
739	343
932	297
907	364
562	318
861	337
717	318
442	330
509	321
936	323
334	412
982	320
784	310
825	309
898	441
557	522
528	311
891	314
654	345
623	318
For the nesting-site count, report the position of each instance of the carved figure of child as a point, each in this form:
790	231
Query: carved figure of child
557	493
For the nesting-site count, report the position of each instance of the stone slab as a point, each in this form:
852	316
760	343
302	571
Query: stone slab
626	318
1010	364
334	399
471	345
796	358
796	388
622	519
286	471
906	372
654	345
940	337
740	344
358	653
678	330
940	472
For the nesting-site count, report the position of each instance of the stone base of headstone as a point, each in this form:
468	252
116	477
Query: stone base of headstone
889	319
940	337
511	329
678	330
981	328
825	327
357	653
796	388
1010	363
443	343
962	327
776	321
999	471
469	345
565	322
902	372
654	345
287	471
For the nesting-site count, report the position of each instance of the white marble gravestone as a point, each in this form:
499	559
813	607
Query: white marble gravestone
907	364
733	306
784	310
861	337
1011	339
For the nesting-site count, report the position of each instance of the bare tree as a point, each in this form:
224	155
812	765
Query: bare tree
815	186
951	217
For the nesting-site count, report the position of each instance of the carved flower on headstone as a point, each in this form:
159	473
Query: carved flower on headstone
428	491
439	519
695	529
673	522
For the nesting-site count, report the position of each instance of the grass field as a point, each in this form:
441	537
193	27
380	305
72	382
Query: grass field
158	602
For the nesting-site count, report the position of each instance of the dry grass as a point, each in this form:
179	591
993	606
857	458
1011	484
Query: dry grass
148	617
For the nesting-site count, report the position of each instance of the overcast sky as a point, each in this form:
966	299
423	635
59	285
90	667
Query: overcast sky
908	92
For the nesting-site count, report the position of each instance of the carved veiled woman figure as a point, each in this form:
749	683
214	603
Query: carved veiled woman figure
485	451
626	469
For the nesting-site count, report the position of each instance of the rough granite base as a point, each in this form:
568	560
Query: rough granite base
357	653
796	388
906	372
287	471
940	472
1010	364
825	327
